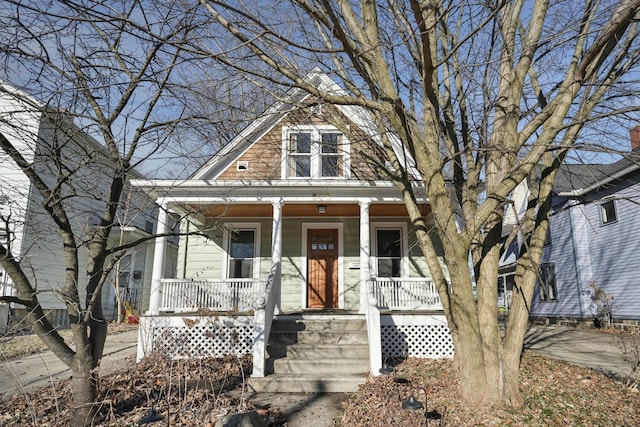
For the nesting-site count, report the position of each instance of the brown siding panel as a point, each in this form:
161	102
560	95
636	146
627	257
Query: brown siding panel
264	157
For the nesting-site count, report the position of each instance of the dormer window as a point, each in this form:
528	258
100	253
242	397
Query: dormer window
312	152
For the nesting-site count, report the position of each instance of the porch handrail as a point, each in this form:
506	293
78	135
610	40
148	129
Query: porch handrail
262	319
372	316
182	295
404	293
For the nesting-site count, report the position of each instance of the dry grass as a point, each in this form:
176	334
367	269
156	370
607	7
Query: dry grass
185	392
195	393
555	394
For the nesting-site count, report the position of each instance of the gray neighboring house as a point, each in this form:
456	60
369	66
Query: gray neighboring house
38	132
594	235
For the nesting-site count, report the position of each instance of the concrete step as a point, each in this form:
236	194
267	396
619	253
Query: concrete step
309	383
319	337
328	351
317	353
289	365
297	325
325	351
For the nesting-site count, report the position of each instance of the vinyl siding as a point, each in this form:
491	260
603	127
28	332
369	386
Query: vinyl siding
14	185
586	251
204	256
613	248
561	252
38	244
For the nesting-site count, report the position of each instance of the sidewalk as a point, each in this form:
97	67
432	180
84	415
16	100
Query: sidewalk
37	370
585	348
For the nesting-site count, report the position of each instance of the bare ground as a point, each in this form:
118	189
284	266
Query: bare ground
197	393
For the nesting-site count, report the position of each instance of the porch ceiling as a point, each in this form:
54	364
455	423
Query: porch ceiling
303	210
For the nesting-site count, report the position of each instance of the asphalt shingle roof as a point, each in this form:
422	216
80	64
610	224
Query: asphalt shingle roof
583	176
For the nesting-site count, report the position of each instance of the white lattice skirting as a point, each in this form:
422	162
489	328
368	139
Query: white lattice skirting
183	337
424	336
186	337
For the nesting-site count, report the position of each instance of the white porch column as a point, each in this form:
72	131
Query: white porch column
155	298
365	245
276	248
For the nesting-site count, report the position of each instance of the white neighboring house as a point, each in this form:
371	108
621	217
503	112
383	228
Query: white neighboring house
39	132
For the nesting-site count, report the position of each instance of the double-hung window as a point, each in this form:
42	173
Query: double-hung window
547	282
390	248
315	152
242	253
300	154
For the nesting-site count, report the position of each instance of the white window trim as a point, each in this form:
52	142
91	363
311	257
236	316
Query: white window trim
316	226
404	245
316	131
602	211
238	226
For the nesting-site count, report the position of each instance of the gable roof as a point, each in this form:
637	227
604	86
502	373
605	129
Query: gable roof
575	180
26	104
272	116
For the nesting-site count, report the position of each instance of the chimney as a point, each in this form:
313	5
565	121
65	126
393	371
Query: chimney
635	137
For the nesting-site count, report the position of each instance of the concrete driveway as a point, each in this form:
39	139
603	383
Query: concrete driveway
590	349
26	373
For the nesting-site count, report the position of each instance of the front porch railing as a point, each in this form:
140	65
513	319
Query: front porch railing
400	293
226	294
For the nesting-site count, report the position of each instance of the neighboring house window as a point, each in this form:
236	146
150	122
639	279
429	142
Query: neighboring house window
315	153
242	253
390	249
608	212
547	282
547	238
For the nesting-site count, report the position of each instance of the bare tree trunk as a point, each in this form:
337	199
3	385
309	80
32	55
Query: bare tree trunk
85	392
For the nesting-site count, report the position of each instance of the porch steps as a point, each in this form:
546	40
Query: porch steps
315	354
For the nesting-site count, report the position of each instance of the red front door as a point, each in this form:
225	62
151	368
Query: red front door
322	268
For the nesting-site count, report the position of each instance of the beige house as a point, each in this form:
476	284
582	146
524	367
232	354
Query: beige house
296	249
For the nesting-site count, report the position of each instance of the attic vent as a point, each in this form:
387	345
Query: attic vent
316	109
242	165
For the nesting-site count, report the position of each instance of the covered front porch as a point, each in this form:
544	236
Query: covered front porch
246	259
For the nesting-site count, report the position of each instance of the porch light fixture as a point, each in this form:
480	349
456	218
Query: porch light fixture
414	404
322	209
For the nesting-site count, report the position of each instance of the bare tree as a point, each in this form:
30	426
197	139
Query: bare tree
483	95
107	75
